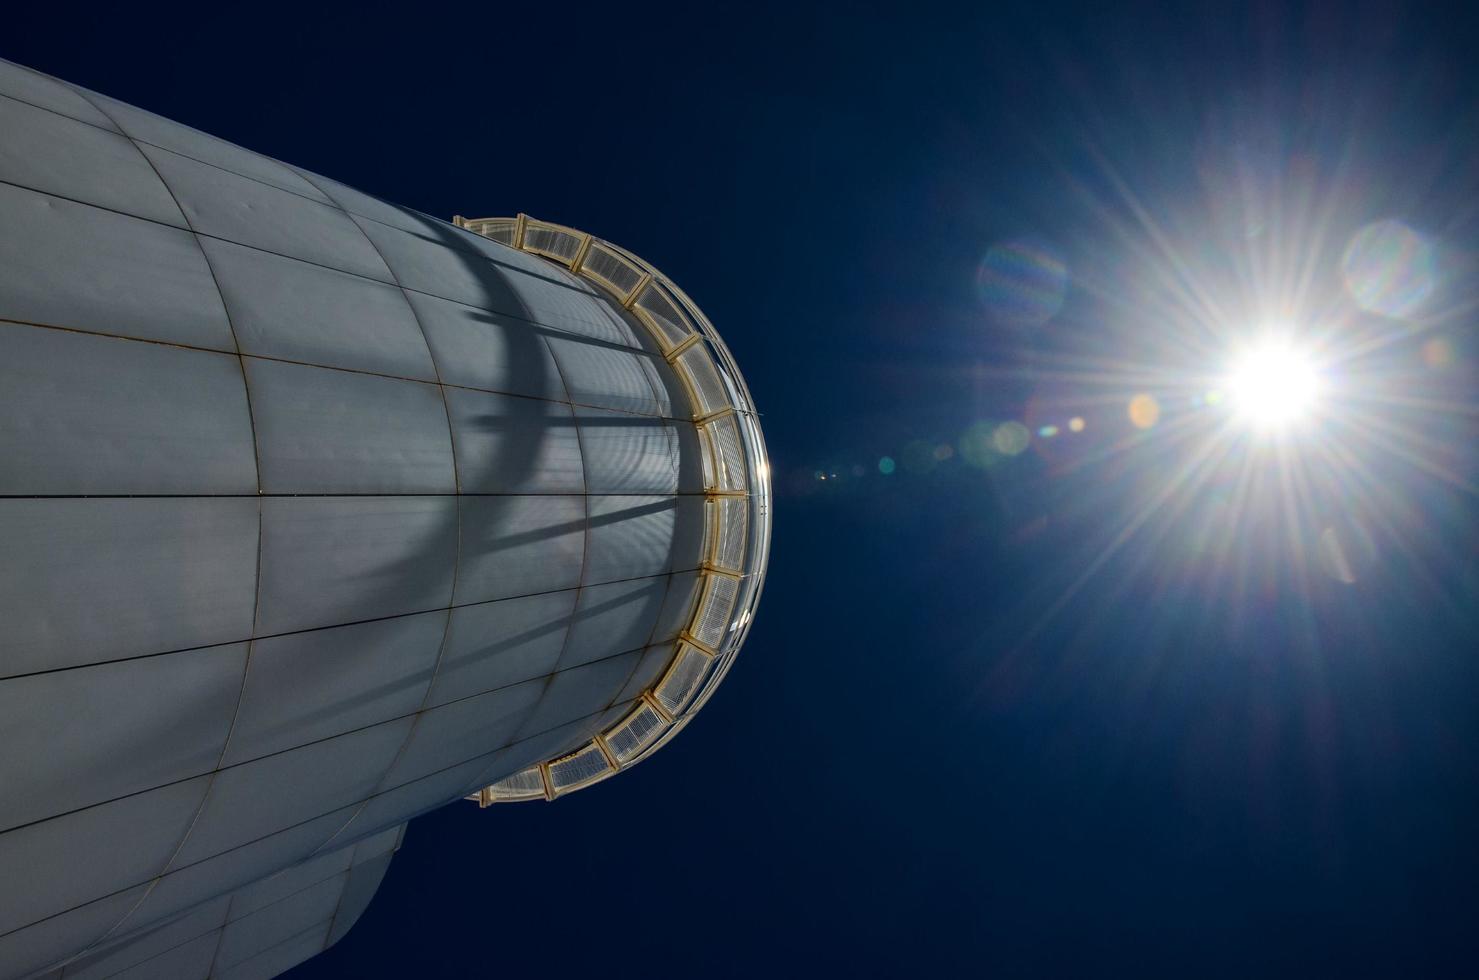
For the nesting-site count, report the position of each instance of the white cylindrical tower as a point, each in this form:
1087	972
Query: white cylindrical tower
319	513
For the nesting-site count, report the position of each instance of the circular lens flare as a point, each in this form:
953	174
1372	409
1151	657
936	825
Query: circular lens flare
1273	385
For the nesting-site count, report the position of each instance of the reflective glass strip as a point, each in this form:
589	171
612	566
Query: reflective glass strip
580	767
726	531
522	785
706	453
715	611
551	241
640	729
611	269
697	369
658	310
729	453
683	678
499	231
712	529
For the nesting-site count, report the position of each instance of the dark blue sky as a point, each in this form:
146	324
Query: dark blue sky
1078	710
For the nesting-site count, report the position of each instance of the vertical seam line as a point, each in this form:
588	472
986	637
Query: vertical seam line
221	936
457	504
257	460
344	890
585	549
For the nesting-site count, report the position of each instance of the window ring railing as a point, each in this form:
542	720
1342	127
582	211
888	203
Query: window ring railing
737	506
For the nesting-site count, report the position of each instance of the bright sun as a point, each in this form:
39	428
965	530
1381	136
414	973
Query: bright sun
1273	385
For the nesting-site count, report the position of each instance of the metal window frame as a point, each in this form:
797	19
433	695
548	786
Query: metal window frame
720	484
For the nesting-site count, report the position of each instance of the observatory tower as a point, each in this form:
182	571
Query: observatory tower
319	513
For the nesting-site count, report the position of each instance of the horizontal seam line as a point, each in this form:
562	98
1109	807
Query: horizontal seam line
357	622
358	496
296	892
122	941
343	370
345	734
300	823
58	112
326	201
186	230
325	924
323	198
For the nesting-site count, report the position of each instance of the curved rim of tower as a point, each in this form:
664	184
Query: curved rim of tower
737	512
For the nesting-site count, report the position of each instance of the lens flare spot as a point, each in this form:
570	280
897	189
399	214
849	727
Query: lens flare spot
944	451
1438	353
1010	438
1022	284
1389	269
1048	431
1076	424
1144	411
975	445
1346	551
886	465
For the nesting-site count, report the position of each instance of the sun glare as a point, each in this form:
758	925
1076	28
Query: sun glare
1273	385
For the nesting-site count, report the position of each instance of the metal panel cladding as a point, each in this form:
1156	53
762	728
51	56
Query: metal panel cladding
317	513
